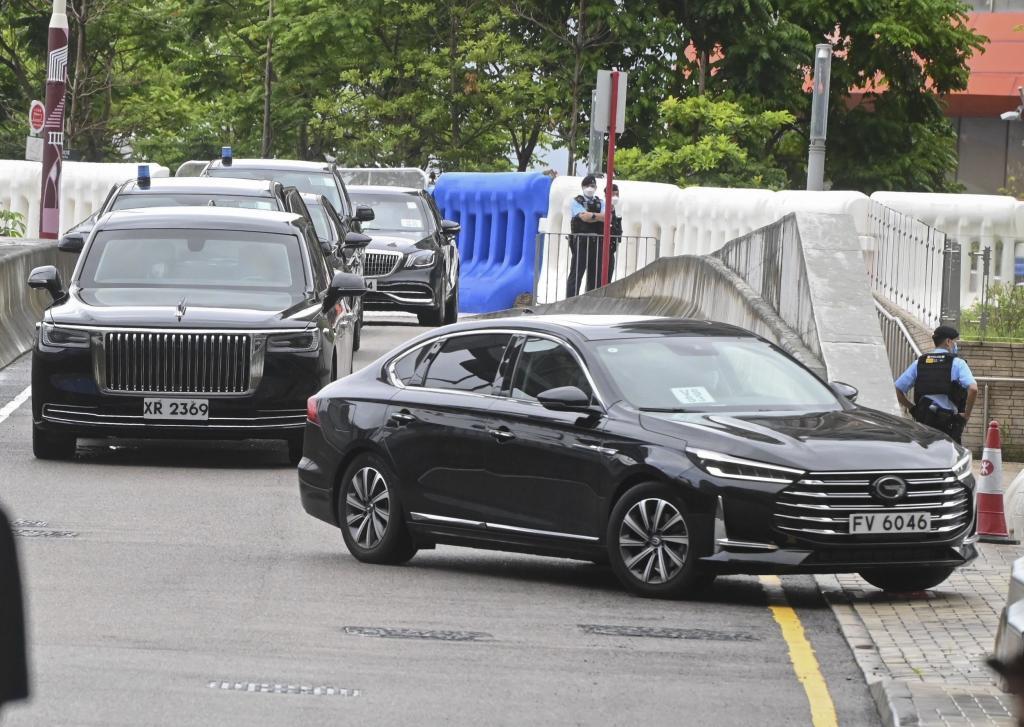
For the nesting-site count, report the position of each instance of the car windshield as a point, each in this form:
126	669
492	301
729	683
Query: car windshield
400	212
703	374
222	260
168	199
311	182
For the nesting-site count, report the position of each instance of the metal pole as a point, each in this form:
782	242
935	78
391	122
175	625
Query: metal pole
819	117
606	244
53	128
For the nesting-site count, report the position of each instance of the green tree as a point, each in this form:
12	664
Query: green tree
714	143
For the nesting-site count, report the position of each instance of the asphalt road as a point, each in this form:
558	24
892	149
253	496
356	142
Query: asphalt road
182	584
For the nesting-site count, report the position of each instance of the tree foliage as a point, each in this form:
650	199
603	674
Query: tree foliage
490	84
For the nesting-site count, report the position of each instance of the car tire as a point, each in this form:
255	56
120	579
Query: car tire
370	513
908	580
52	445
653	543
432	318
294	449
451	308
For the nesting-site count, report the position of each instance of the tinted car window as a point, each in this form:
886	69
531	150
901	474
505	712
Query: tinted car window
467	363
543	365
312	182
320	221
408	369
399	212
160	199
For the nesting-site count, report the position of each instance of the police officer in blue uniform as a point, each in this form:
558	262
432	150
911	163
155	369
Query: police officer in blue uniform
944	387
587	226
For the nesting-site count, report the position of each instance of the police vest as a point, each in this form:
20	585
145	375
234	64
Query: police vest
578	226
935	376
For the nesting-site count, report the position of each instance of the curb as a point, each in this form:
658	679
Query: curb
893	698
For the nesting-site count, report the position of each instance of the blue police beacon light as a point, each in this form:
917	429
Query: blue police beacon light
143	177
225	155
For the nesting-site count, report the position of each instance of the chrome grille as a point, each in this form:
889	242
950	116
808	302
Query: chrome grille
187	363
819	505
377	263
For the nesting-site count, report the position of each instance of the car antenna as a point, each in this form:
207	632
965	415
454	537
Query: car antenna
211	203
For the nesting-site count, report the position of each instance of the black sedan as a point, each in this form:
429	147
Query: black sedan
675	450
412	264
196	323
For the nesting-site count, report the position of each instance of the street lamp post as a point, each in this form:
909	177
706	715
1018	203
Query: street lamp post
819	117
53	127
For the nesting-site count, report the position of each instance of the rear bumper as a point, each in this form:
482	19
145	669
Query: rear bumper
317	475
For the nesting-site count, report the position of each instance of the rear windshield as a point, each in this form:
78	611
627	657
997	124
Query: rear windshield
310	182
166	199
195	259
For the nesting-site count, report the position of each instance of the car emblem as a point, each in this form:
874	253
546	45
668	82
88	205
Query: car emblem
180	312
889	489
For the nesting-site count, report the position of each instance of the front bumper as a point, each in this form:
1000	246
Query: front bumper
406	289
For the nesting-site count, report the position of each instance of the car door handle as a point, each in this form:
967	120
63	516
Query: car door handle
403	417
502	434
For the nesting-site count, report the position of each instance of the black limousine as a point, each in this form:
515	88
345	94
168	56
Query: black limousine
189	322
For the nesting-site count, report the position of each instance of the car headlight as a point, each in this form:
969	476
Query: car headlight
299	342
725	465
421	259
962	468
58	337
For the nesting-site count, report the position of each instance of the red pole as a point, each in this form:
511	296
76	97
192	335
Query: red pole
606	243
53	128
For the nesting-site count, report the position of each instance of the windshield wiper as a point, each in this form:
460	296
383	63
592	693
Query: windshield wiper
667	410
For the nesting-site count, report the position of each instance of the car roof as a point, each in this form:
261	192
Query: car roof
284	164
379	188
203	185
604	327
216	218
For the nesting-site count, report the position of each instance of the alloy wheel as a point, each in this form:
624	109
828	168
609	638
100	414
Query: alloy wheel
653	541
367	507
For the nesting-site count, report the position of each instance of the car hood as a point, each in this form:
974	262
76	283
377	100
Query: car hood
858	439
390	241
159	308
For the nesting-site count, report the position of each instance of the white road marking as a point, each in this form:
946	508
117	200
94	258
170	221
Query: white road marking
12	406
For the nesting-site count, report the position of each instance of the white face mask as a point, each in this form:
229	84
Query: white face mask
615	201
589	192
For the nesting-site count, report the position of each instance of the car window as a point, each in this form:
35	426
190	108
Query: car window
169	199
395	212
467	363
323	226
544	364
313	182
409	368
321	269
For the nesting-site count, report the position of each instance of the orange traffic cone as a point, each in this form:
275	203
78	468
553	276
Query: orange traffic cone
991	518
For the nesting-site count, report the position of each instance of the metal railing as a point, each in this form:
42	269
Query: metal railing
915	266
899	344
566	265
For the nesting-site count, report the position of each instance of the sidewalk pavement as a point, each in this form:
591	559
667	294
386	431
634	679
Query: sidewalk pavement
923	654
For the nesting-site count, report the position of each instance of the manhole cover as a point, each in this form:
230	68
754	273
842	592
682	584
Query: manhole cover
392	633
40	533
660	633
275	688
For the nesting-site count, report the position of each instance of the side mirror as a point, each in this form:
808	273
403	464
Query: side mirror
357	240
845	390
364	213
344	285
450	227
71	243
566	398
47	277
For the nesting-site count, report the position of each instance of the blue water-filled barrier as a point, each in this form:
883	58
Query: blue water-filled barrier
499	214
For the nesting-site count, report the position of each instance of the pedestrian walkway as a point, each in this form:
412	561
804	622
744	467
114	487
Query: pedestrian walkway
923	654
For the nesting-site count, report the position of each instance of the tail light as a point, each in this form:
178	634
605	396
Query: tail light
312	415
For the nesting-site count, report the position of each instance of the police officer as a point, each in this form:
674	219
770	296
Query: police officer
587	226
616	231
944	387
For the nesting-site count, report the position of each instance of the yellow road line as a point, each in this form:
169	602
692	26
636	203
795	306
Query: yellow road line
805	664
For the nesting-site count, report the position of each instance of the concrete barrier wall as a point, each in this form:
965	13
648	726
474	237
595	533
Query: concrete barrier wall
84	186
20	306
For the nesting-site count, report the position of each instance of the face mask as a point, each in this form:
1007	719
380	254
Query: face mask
589	192
615	200
956	347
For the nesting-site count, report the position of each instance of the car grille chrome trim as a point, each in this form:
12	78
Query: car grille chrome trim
820	504
378	263
172	362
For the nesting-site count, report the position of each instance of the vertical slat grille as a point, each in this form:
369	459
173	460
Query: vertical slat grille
184	363
380	263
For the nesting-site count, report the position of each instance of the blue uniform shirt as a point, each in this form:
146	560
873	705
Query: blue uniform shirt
960	373
578	209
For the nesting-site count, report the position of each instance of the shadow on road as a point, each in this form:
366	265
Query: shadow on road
184	454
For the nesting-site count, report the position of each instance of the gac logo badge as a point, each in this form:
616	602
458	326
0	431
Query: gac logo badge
889	489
